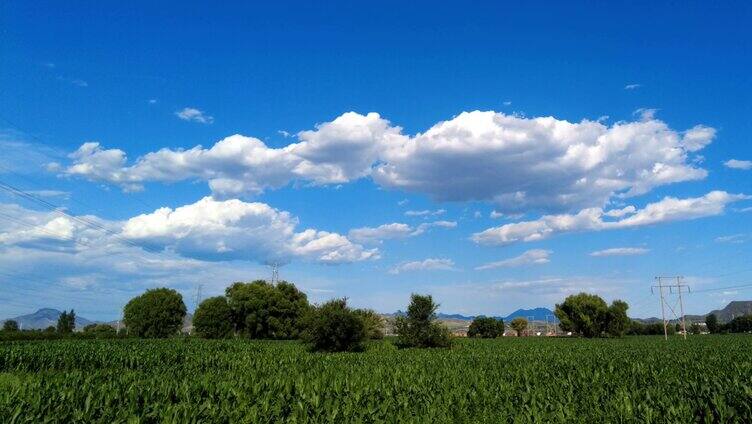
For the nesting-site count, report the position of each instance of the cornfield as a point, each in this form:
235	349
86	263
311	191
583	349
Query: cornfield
642	379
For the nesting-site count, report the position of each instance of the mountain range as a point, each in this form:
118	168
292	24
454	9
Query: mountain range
44	318
535	314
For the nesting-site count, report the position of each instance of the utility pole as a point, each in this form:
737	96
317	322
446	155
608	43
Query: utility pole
679	287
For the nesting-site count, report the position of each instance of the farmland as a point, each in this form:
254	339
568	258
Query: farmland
637	379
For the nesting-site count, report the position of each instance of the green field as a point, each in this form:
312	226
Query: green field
643	379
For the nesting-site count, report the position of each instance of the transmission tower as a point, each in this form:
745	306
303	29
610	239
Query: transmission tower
197	296
275	273
669	289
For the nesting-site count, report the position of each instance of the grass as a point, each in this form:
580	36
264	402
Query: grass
636	379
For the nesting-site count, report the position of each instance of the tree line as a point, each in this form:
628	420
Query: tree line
260	310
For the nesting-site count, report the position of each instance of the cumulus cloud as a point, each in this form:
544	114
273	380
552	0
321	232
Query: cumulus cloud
373	235
208	230
620	251
596	219
531	257
424	265
232	229
519	163
194	115
738	164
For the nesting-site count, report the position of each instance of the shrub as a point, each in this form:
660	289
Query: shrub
486	327
100	331
10	325
373	323
419	327
333	327
157	313
213	318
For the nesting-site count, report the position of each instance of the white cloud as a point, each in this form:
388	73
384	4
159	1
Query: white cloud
592	219
530	257
152	101
734	238
373	235
738	164
426	212
403	202
495	214
232	229
632	86
284	133
517	162
645	114
508	103
424	265
208	230
620	251
194	115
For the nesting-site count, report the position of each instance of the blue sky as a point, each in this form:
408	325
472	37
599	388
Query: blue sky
374	143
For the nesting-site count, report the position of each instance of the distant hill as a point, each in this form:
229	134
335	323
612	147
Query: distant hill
44	318
536	314
733	309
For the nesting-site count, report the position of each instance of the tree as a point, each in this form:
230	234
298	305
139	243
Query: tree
519	325
10	325
695	328
157	313
372	322
213	318
419	327
66	322
486	328
264	311
742	324
100	331
711	321
617	319
589	316
333	327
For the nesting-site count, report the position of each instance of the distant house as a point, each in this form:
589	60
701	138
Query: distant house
459	332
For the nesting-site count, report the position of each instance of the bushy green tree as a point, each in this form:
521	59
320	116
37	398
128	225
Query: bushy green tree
742	324
157	313
10	325
100	331
617	322
333	327
588	315
373	323
486	327
711	321
213	318
519	325
264	311
66	322
419	327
